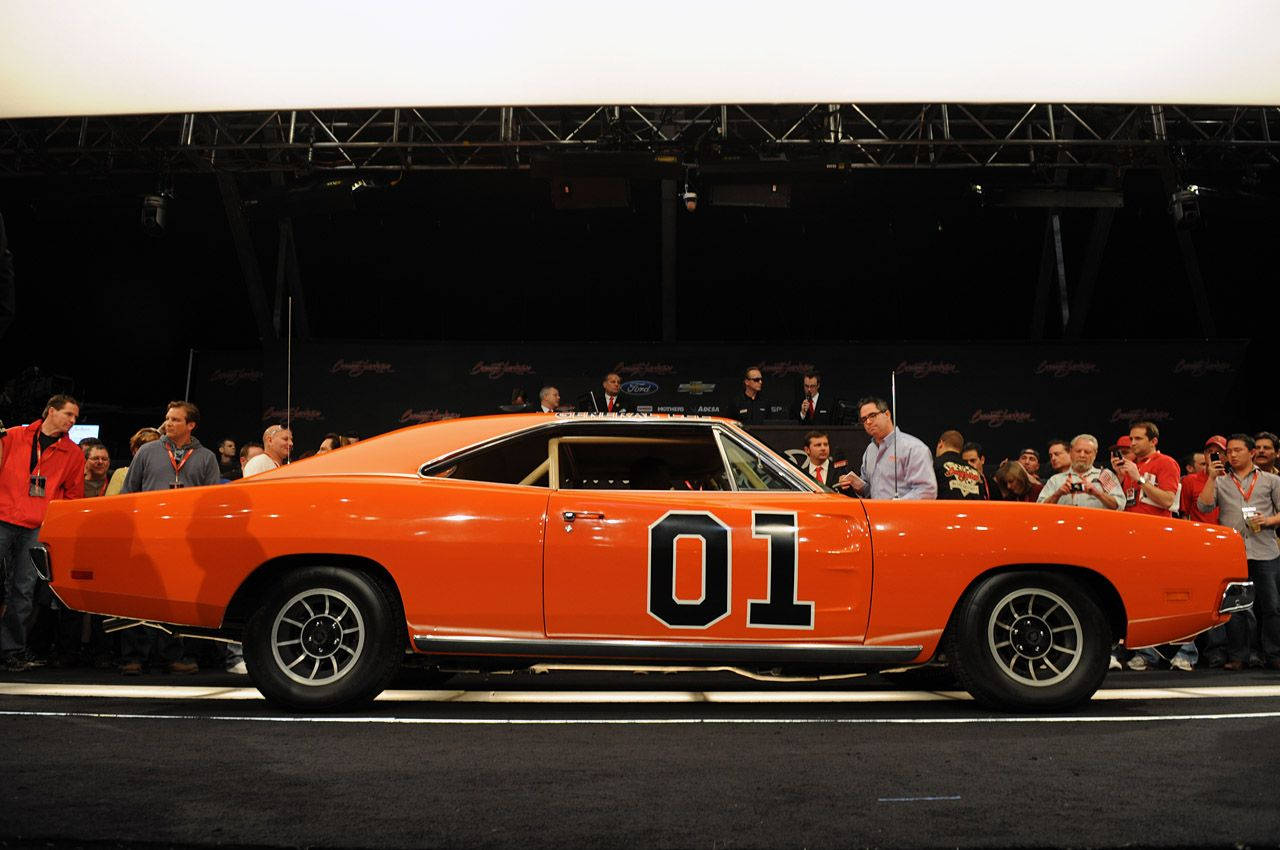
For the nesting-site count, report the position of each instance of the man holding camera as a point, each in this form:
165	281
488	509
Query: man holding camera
1150	480
1082	484
1248	500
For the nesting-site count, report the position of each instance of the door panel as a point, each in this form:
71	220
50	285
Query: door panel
706	566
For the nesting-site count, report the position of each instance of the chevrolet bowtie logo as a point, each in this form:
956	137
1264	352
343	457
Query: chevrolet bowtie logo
696	388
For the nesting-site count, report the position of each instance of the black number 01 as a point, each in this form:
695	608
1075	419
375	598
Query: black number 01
780	609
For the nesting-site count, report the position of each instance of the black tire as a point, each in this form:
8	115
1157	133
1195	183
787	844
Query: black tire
325	639
1029	641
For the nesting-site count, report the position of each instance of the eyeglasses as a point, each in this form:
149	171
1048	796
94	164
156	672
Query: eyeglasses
866	419
757	378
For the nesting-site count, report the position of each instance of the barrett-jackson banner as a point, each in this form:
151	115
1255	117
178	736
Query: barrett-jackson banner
1003	395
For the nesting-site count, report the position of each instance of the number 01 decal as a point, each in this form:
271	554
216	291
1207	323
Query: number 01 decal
780	609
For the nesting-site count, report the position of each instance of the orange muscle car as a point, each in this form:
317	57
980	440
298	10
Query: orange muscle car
507	541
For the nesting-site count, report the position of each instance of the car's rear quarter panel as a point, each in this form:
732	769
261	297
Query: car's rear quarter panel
1169	573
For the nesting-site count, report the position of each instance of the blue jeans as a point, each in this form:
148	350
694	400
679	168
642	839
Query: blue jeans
1187	650
1266	604
20	581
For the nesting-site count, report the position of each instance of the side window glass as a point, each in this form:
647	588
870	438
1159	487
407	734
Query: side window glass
521	460
636	458
752	472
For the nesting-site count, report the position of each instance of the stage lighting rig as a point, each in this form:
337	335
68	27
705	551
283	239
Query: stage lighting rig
155	211
1185	207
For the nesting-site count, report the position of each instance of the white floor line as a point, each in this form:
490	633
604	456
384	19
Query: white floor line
600	721
581	697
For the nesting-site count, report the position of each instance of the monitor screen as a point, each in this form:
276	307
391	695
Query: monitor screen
80	432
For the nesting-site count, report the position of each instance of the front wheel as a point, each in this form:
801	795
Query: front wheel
325	639
1029	641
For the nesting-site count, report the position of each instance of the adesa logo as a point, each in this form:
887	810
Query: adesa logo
639	388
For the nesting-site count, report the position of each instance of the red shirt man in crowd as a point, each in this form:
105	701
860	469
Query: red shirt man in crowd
1194	483
38	463
1151	478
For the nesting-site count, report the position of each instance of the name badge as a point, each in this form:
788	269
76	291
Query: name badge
36	490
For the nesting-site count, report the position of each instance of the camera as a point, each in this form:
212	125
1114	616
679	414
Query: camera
1077	486
690	200
1117	454
1215	457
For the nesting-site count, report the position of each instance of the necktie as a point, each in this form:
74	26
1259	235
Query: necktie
817	473
611	404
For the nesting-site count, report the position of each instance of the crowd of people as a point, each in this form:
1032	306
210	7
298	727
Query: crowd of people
1232	481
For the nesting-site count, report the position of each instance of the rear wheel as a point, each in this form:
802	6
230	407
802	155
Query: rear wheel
1029	641
325	639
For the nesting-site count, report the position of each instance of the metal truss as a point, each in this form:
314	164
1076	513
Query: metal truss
820	136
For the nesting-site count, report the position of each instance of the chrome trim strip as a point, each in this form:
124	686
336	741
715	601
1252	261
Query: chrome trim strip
1238	596
43	563
660	650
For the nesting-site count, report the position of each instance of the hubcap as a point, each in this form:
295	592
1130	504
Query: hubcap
1035	637
317	637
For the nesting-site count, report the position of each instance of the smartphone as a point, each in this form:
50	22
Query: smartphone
1117	454
1215	457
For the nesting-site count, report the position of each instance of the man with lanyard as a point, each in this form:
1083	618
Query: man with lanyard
174	461
895	465
1248	500
1150	483
38	463
1082	484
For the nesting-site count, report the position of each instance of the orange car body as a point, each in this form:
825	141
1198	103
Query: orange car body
500	561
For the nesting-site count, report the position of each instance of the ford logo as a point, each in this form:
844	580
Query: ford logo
639	388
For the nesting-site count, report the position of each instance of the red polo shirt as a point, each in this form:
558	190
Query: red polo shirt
1192	485
62	466
1160	470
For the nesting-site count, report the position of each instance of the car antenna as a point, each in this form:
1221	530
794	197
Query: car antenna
893	405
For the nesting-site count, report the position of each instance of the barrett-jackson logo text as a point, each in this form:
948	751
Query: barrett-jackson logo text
1200	368
1063	368
786	367
411	415
356	368
997	418
502	367
231	377
1139	414
623	369
926	368
297	414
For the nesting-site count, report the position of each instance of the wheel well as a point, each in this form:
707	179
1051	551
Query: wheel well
1097	585
246	598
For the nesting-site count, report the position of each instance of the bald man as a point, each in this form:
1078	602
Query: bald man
277	443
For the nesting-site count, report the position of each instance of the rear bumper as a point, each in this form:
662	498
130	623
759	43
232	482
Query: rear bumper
1238	596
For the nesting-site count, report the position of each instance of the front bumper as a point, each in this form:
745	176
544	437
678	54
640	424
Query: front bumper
1237	597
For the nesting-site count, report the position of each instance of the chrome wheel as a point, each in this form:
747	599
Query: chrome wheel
318	636
1035	637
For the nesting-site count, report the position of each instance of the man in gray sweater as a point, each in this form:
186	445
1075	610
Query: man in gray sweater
174	461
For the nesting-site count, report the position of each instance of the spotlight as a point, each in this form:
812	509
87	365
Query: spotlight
155	212
690	199
1184	204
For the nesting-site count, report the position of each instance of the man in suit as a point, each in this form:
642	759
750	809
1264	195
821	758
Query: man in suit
820	466
610	400
816	408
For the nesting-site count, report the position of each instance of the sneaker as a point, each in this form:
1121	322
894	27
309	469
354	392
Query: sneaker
182	667
131	668
1233	665
239	669
1137	662
1180	663
1115	664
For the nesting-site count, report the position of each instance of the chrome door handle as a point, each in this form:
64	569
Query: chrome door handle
570	516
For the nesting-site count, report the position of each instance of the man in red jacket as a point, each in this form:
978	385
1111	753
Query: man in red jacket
38	463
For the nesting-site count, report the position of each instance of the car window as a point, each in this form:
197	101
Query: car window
752	472
519	460
639	459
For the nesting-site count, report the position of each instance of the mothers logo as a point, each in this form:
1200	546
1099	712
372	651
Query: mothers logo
1063	368
1200	368
639	388
356	368
999	418
231	377
433	415
926	368
643	369
502	367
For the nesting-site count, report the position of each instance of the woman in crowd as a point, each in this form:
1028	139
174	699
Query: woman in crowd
140	438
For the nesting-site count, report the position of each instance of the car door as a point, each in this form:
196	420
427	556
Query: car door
743	564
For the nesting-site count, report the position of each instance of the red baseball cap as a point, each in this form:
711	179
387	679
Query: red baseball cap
1216	440
1123	443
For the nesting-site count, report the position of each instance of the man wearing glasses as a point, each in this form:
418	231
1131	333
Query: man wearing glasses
750	408
895	465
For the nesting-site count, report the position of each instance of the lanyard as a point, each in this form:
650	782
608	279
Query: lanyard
177	467
41	456
1243	495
